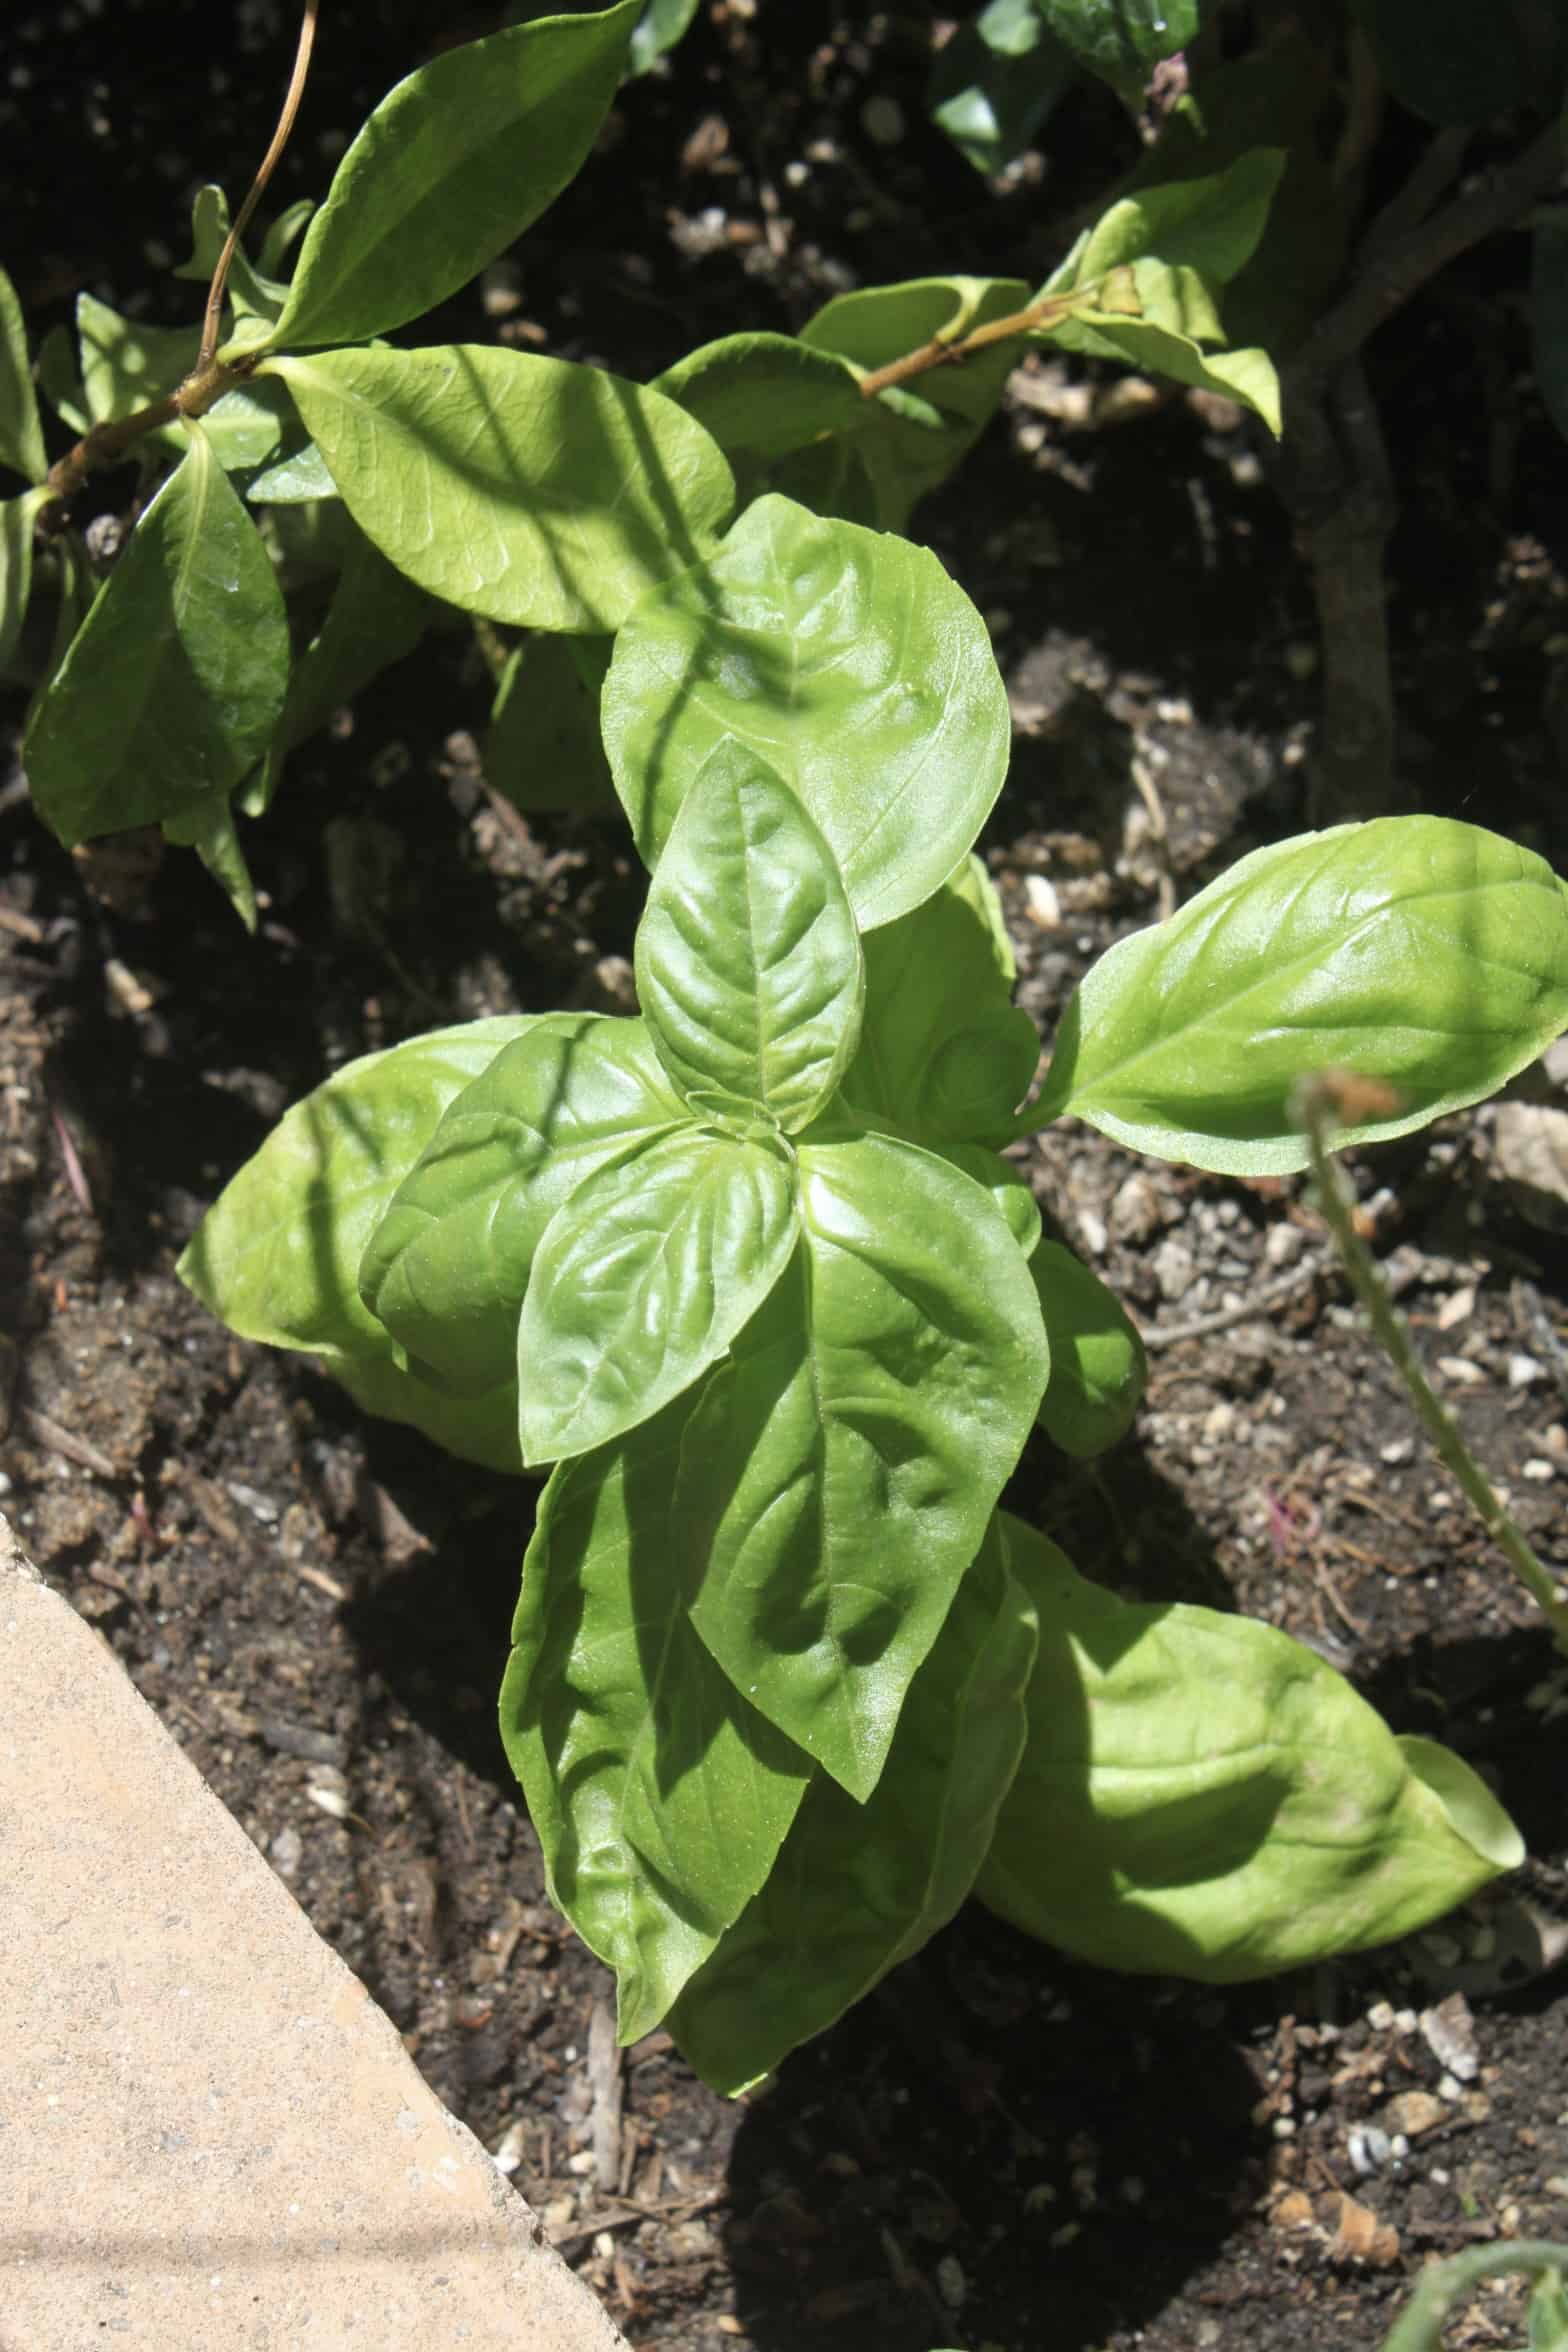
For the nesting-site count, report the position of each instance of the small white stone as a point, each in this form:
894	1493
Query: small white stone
1398	1450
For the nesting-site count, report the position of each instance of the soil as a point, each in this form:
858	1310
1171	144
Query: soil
1000	2148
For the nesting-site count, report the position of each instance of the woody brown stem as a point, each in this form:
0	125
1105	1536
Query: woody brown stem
1048	310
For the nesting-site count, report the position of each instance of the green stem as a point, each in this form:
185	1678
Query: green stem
1317	1110
1419	2326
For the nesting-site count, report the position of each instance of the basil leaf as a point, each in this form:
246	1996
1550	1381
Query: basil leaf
447	1265
174	682
845	1460
748	961
526	489
859	1887
451	168
1423	953
643	1278
1202	1795
659	1794
1098	1366
846	660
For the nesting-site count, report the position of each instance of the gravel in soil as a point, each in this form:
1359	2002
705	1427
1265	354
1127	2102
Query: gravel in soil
999	2148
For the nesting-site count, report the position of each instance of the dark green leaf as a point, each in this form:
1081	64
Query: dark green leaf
1202	1796
21	434
127	366
844	1462
376	617
1122	40
175	681
659	1795
17	517
210	830
997	80
544	749
526	489
748	962
642	1279
1097	1360
1452	62
59	380
450	169
859	1887
448	1265
1425	954
945	1055
277	1254
846	660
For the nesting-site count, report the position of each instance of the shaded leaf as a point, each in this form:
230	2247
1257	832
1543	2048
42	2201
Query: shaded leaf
845	1460
1452	62
1212	225
376	616
1202	1796
526	489
642	1279
1549	313
127	365
1426	954
997	80
859	1887
544	749
660	1796
448	1264
450	169
17	517
276	1256
174	682
250	295
1122	40
659	27
748	961
210	830
21	433
1098	1366
851	664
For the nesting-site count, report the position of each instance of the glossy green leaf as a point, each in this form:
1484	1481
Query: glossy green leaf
249	294
1212	225
276	1256
1122	40
1452	62
21	433
659	27
1009	1190
296	478
642	1279
847	661
526	489
480	1428
1165	349
376	616
544	749
209	828
858	1888
748	961
997	80
945	1055
762	396
1203	1796
844	1461
1428	955
1549	313
174	682
660	1796
450	169
1098	1366
447	1267
17	517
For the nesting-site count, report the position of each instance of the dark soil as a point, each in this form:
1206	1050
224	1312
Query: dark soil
1000	2148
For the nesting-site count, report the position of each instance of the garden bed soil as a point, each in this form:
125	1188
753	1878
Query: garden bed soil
999	2148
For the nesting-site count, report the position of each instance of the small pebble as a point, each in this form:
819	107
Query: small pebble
287	1851
1524	1371
951	2283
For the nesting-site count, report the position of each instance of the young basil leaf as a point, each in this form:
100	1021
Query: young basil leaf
1211	225
17	517
1423	953
641	1281
859	1887
450	169
846	660
530	490
945	1055
447	1266
376	616
276	1255
847	1457
1007	1187
659	1794
21	433
748	961
1098	1366
174	682
1202	1795
544	749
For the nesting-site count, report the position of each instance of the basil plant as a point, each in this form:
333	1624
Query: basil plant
750	1277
